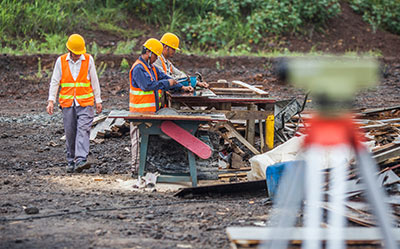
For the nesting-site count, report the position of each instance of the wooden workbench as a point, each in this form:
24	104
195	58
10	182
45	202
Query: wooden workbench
233	105
150	124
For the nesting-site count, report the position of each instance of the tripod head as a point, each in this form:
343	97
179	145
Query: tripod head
332	80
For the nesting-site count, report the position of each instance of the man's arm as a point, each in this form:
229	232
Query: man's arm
54	84
94	80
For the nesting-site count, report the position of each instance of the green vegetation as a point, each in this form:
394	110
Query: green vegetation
124	66
232	23
384	14
231	27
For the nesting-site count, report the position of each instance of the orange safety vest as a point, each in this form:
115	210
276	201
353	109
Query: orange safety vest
81	89
165	66
139	100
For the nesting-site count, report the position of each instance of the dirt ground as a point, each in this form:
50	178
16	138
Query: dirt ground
96	209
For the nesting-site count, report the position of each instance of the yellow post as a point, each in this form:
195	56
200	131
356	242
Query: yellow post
269	131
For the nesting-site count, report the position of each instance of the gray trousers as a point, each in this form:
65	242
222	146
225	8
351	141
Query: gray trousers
77	123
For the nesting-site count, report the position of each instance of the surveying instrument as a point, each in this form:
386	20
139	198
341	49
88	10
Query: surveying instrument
331	134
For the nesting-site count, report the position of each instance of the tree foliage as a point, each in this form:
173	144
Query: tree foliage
384	14
232	25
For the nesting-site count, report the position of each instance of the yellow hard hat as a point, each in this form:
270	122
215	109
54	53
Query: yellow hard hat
76	44
154	46
170	40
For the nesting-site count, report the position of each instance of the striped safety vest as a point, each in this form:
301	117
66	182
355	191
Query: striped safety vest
169	71
139	100
81	89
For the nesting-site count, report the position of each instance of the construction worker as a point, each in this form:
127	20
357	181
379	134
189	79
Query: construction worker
170	45
146	85
80	90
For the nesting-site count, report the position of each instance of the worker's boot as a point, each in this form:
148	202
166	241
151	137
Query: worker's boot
70	167
80	166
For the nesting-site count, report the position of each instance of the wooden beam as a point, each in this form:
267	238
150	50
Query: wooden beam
259	234
234	114
232	130
251	126
256	90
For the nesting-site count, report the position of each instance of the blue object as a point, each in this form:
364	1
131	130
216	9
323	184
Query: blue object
274	174
185	81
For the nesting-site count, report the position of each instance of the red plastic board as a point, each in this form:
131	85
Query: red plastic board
186	139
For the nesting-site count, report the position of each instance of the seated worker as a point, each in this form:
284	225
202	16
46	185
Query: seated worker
170	45
146	84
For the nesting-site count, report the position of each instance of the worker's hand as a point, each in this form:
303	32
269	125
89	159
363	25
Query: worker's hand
172	82
203	84
187	89
50	107
99	108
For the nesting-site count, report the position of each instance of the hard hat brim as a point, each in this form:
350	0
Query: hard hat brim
76	51
171	46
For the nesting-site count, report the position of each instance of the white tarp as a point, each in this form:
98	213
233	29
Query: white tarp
289	151
285	152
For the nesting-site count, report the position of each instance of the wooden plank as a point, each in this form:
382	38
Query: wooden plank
251	126
370	111
381	157
361	234
119	122
98	119
143	116
101	127
234	114
227	175
256	90
236	90
232	130
220	93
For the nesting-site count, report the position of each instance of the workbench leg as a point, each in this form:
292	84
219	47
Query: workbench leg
250	125
144	142
192	168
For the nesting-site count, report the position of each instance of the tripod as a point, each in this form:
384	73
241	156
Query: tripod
331	135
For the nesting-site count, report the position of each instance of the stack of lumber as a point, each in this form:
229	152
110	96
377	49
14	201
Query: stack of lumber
104	127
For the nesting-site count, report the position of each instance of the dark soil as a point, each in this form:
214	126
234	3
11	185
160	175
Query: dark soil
32	166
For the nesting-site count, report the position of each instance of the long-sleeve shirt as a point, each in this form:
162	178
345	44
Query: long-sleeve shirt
74	67
175	74
141	79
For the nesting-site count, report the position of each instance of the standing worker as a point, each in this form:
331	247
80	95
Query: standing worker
170	45
80	89
146	85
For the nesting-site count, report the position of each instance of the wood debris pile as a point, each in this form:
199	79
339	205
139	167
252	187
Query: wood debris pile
381	127
105	127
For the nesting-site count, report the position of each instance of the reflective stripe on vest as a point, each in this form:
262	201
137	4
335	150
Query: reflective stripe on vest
80	88
139	100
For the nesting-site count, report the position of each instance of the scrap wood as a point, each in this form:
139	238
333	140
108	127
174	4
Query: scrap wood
376	110
101	127
239	169
232	91
98	119
352	235
236	134
360	218
256	90
382	156
228	175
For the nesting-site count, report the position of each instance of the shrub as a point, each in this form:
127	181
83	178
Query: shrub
383	14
